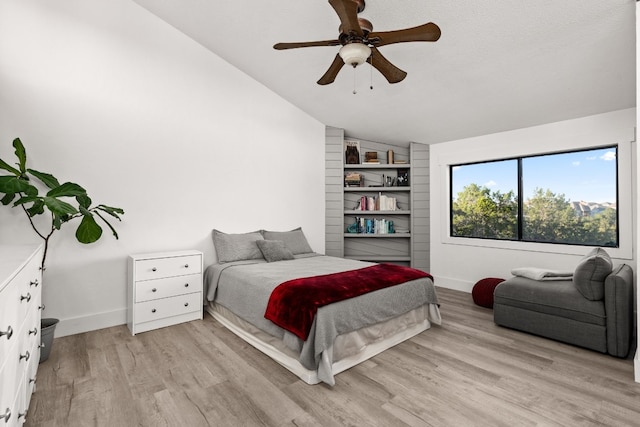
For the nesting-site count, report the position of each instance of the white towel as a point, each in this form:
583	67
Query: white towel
542	274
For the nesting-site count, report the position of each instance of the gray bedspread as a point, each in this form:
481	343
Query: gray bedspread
244	288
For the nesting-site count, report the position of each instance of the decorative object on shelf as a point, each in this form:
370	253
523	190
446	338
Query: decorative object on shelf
353	179
352	152
371	157
390	157
403	178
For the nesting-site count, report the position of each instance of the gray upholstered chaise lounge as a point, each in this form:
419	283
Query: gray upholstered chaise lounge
593	310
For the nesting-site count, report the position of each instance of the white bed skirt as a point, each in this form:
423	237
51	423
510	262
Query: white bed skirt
348	350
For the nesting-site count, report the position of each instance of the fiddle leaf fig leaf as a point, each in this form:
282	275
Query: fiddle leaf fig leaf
46	178
113	230
59	207
84	201
8	198
88	231
4	165
111	211
12	184
21	154
68	189
37	208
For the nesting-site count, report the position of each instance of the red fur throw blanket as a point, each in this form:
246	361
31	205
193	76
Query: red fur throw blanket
293	304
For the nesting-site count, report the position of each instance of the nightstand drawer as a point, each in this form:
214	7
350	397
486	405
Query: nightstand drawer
169	287
167	307
147	269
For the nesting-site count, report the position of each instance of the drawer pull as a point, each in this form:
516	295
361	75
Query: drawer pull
32	380
22	415
41	307
25	356
6	416
9	333
41	345
154	290
33	331
153	310
154	269
34	283
186	285
186	304
186	266
27	297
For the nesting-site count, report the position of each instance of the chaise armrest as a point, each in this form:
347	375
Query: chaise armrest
618	301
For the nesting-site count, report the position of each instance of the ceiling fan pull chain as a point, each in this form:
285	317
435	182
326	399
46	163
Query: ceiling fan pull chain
354	81
371	69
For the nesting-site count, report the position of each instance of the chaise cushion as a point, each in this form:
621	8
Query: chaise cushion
591	272
555	298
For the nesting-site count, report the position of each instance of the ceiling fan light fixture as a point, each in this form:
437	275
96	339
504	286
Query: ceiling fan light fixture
355	54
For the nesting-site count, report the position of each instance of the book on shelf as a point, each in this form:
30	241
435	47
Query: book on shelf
380	202
371	226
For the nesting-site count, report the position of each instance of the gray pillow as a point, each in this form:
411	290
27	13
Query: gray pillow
295	240
591	272
274	250
236	247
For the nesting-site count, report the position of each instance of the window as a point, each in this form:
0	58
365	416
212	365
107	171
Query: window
568	198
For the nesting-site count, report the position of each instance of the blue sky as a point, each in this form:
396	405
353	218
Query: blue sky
589	176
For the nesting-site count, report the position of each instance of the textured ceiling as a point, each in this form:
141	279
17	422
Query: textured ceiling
499	65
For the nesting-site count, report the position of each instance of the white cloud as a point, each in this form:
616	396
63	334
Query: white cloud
491	183
608	156
576	163
591	158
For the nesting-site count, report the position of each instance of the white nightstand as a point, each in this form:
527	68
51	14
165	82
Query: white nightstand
165	288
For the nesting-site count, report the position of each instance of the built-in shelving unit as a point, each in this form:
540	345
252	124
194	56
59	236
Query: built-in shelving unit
406	241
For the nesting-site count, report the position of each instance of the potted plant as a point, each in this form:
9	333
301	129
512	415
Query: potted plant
62	203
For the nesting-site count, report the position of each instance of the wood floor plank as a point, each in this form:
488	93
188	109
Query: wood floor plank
468	371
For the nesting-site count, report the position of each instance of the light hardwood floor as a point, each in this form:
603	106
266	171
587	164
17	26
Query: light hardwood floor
466	372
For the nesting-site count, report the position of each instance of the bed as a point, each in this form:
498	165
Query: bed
240	288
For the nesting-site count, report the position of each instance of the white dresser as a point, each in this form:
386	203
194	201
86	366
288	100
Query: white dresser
164	289
20	306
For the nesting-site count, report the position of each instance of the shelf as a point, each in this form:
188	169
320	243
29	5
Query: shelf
379	166
378	236
361	213
378	258
376	189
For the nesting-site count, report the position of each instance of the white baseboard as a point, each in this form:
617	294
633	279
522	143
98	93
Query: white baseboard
636	367
455	284
92	322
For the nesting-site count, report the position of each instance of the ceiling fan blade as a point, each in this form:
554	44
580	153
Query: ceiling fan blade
347	11
282	46
423	33
390	72
332	72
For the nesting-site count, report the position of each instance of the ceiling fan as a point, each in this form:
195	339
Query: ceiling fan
360	43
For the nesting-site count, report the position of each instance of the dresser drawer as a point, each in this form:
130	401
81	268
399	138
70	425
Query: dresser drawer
169	287
147	269
167	307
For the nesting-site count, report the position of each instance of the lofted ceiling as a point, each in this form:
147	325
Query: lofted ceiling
499	65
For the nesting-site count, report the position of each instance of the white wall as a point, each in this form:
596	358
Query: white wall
460	263
105	94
